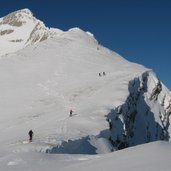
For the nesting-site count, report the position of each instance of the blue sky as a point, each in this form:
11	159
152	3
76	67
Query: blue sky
139	30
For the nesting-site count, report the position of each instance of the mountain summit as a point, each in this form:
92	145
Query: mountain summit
20	29
115	103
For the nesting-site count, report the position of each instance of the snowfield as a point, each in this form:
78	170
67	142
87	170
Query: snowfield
42	81
149	157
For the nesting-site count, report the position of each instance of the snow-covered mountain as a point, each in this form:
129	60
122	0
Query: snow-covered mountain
20	29
115	103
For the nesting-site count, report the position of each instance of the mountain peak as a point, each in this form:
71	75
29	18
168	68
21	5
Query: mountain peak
26	11
20	29
17	18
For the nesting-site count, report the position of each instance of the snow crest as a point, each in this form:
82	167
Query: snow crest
20	29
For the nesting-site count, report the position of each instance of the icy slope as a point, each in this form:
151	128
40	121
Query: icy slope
21	28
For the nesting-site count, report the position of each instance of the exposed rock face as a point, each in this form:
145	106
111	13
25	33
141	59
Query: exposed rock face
35	36
15	18
8	31
144	117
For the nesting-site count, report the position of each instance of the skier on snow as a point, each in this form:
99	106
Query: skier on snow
30	133
70	113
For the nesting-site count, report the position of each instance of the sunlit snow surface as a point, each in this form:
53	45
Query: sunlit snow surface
149	157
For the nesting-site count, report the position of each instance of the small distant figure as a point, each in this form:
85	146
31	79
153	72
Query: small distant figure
30	133
104	73
110	124
70	113
100	75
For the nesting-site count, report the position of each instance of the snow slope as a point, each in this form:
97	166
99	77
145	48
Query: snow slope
41	82
152	156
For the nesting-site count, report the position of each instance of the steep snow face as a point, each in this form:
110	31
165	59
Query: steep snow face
19	29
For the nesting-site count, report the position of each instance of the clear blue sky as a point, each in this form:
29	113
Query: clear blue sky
139	30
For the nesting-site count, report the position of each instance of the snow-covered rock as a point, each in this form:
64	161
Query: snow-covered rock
145	115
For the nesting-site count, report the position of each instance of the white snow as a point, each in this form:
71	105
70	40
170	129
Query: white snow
152	156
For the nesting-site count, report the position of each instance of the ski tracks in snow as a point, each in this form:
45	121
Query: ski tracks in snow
61	130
